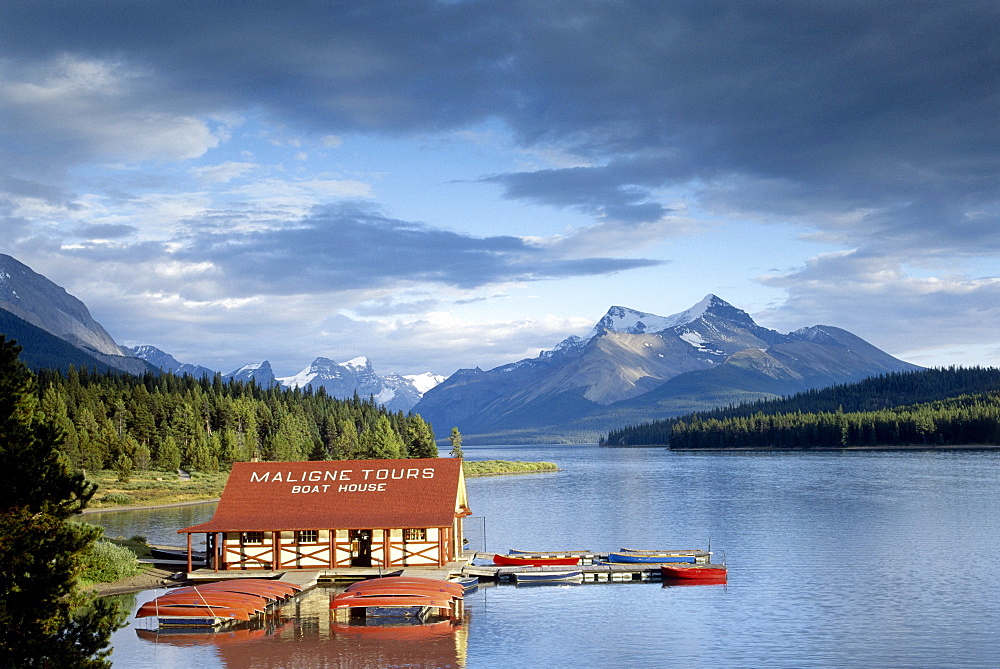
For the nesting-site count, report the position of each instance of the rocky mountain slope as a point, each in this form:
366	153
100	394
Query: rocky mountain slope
343	380
35	299
635	366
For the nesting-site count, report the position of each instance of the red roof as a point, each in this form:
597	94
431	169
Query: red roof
341	494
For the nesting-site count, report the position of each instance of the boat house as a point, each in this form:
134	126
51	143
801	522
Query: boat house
336	514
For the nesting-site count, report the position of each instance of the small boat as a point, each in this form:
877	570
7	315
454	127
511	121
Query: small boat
692	552
251	604
515	561
171	556
650	558
700	572
526	577
193	615
467	582
514	551
175	553
277	590
406	584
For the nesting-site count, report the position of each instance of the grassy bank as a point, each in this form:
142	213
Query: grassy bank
154	488
499	467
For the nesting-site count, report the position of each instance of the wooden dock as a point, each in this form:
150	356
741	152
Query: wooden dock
591	572
595	568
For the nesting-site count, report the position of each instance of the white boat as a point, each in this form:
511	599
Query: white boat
571	576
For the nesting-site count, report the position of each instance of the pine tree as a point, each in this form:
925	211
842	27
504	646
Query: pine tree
456	443
420	439
44	619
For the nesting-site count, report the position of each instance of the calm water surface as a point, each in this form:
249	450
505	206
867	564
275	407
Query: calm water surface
855	559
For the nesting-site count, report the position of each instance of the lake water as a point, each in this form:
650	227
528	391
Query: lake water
853	559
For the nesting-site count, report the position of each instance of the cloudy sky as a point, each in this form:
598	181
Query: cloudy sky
440	185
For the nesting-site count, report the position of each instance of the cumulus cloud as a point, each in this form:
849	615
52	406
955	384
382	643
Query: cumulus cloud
70	109
883	301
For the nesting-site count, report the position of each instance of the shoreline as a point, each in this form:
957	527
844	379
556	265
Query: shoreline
149	578
112	509
825	449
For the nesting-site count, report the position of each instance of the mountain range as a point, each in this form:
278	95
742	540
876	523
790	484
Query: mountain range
56	330
631	367
635	366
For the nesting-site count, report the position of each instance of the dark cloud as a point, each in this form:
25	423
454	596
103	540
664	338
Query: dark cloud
351	246
887	108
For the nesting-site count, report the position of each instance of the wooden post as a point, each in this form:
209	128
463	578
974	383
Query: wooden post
441	556
189	553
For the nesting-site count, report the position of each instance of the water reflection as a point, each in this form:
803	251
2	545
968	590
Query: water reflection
683	582
834	562
301	633
158	526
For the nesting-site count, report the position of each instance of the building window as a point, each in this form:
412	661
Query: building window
418	534
253	537
307	536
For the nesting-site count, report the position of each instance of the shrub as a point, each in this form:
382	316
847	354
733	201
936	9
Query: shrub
107	562
117	499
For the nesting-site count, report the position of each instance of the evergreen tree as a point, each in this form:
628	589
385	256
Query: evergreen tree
456	443
168	458
43	617
419	439
385	443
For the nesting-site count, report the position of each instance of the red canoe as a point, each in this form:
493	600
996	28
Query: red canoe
510	561
712	572
412	583
197	615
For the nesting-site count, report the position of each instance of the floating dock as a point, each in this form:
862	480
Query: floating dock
594	565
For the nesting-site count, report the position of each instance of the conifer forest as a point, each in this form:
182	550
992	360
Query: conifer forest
117	421
935	407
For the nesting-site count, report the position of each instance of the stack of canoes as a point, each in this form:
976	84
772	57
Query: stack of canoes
216	604
400	597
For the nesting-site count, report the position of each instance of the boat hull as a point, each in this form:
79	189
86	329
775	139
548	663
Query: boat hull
643	558
708	572
541	577
467	582
516	561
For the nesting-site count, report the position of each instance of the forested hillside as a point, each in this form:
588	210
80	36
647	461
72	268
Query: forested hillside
954	406
115	421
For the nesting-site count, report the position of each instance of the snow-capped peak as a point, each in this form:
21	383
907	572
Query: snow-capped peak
424	382
361	362
632	321
694	313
